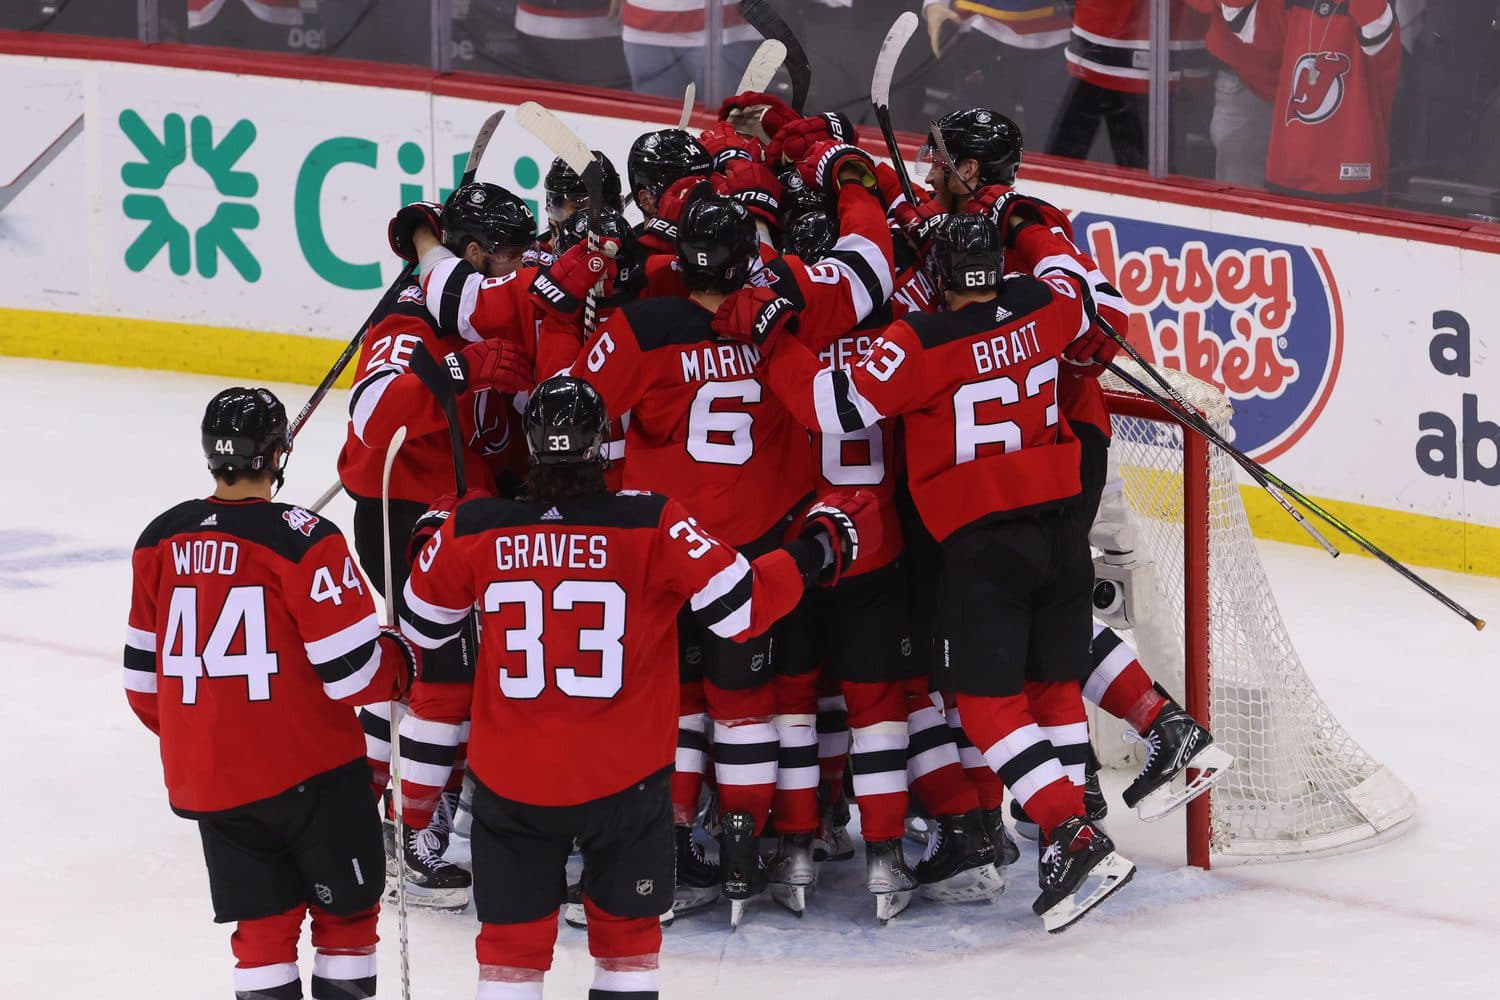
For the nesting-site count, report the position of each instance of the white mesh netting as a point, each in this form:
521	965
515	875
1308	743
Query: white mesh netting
1300	784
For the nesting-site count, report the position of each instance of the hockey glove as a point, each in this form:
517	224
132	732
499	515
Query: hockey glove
405	223
499	365
1008	210
760	115
793	142
754	186
431	522
404	654
659	233
851	523
755	316
919	223
724	144
828	165
1094	347
562	287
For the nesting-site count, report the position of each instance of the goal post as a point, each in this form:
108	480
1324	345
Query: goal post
1212	634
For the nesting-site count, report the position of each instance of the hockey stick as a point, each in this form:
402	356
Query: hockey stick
1273	483
880	95
764	19
34	169
327	496
564	142
471	168
390	621
688	96
445	382
761	69
942	150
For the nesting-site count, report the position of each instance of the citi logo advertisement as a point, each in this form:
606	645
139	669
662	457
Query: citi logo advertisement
1260	320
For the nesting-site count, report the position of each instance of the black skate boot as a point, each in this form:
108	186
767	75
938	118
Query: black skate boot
431	881
744	874
1174	743
1006	851
1078	870
889	878
697	877
833	842
792	871
1094	802
959	866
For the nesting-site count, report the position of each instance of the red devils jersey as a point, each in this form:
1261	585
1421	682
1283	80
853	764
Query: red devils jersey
1256	57
250	635
1330	120
387	395
575	696
1111	44
565	19
977	389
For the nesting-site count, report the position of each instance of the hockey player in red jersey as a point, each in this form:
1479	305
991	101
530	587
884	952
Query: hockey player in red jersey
486	227
250	634
993	470
581	590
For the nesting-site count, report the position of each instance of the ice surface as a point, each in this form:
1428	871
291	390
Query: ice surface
109	896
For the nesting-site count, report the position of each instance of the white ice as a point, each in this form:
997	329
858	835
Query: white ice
109	898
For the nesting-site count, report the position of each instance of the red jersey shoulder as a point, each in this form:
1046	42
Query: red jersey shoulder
287	530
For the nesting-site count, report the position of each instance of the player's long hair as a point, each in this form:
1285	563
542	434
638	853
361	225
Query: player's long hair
558	482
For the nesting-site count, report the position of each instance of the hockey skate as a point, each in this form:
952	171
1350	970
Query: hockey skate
833	842
697	877
1078	870
889	878
1174	743
431	881
1007	852
959	866
744	874
1094	803
793	871
575	915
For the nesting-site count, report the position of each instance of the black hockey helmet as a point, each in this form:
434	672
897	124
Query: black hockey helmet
968	253
979	134
489	215
717	244
242	428
797	198
630	260
566	423
811	235
563	185
657	159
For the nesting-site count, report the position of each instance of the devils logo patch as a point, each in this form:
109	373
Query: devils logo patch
1318	84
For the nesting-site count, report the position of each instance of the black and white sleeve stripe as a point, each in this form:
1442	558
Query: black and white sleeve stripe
140	661
867	271
723	603
452	294
839	406
430	626
348	660
1241	22
366	397
1374	36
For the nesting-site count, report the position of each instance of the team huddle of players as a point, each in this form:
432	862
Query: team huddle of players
833	385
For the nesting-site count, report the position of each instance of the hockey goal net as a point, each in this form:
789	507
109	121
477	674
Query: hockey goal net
1212	633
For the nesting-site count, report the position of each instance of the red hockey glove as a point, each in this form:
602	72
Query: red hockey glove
851	521
796	138
399	648
760	115
562	287
754	186
497	364
724	144
755	316
406	222
828	164
919	223
1093	348
888	183
539	254
1007	209
431	522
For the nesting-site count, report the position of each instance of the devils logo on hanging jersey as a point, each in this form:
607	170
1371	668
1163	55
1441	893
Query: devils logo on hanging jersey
1317	87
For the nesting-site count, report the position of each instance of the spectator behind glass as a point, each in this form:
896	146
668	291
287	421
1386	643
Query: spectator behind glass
664	45
568	41
1331	118
1109	58
1244	87
384	30
842	39
1002	54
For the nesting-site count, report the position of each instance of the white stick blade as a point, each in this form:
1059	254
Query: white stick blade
481	142
763	66
688	97
890	54
555	135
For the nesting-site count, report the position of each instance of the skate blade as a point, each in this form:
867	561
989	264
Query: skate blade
977	885
793	897
574	915
737	909
689	899
1107	877
890	904
1211	763
432	899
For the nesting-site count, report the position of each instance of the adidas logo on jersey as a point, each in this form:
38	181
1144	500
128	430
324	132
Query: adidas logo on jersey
209	521
553	514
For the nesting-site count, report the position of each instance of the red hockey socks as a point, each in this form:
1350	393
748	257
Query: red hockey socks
344	963
1013	745
745	749
514	957
933	767
625	951
797	773
1119	684
1059	713
265	952
877	756
989	790
692	752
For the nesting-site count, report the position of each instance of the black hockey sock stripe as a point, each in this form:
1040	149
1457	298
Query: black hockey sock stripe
692	739
618	995
1025	762
761	752
428	753
833	721
342	989
1068	754
286	991
375	725
1103	644
878	762
798	756
920	741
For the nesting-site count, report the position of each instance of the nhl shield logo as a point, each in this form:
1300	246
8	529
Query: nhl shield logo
644	887
1317	87
325	894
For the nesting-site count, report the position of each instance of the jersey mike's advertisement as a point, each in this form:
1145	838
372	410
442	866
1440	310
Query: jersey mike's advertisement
235	224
